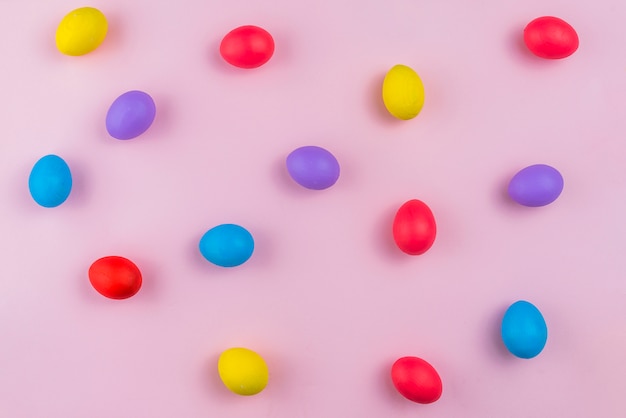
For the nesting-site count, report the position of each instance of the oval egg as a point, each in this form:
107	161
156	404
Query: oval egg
227	245
550	37
243	371
130	115
81	31
247	47
416	380
536	185
414	227
115	277
50	181
313	167
524	330
403	92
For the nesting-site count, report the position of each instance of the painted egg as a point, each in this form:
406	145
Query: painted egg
247	47
414	227
550	37
243	371
227	245
50	181
416	380
524	331
81	31
130	115
115	277
536	185
313	167
403	92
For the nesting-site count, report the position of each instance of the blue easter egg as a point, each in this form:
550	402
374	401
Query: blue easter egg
524	331
227	245
50	181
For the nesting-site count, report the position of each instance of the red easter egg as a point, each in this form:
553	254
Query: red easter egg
247	47
550	37
115	277
416	380
414	227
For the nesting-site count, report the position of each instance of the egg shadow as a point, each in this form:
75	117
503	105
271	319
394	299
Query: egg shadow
385	384
376	104
211	379
515	43
215	60
80	194
383	236
114	40
493	333
283	179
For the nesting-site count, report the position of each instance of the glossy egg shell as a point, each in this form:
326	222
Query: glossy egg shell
403	92
243	371
247	47
536	185
416	380
313	167
50	181
524	330
227	245
81	31
130	115
115	277
414	227
550	37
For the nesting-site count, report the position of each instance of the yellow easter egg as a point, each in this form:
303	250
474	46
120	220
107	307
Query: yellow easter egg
403	92
81	31
243	371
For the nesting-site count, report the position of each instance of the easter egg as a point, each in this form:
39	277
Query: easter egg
524	331
130	115
243	371
416	380
313	167
227	245
81	31
536	185
403	92
50	181
115	277
414	227
247	47
550	37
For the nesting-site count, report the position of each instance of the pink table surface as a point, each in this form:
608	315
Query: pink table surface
326	299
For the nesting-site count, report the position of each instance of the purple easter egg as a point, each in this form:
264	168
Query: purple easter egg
130	115
536	185
313	167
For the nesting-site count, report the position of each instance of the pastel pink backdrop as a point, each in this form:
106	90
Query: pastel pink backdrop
326	298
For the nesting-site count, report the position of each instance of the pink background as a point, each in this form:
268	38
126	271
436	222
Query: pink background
326	299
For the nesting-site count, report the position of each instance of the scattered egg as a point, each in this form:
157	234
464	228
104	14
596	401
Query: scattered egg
416	380
550	37
536	185
313	167
227	245
115	277
247	47
414	227
524	330
243	371
403	92
50	181
130	115
81	31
